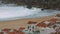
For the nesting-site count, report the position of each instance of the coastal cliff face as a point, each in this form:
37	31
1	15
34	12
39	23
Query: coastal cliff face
46	4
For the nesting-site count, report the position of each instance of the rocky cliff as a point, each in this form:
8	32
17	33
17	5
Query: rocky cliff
46	4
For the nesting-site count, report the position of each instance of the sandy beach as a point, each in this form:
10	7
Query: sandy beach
15	24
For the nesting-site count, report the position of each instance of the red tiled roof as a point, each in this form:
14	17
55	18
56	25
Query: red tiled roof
58	15
1	33
20	32
21	28
15	30
58	20
6	30
11	33
53	19
41	24
31	22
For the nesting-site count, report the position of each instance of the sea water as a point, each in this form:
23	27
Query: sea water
11	12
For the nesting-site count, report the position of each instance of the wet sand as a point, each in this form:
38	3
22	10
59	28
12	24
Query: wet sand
15	24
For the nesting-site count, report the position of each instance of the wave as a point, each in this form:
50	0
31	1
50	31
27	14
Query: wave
9	12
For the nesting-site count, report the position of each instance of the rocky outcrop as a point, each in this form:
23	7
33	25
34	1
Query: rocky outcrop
46	4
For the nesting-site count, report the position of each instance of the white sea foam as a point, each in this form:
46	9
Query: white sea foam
11	11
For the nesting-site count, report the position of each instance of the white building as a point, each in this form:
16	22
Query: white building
44	29
31	27
57	17
47	30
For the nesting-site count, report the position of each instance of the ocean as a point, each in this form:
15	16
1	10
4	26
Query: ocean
11	12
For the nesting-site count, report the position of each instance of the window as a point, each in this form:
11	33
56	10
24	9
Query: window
26	30
33	31
33	27
29	27
57	22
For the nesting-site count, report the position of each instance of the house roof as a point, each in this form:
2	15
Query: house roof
42	24
21	32
15	32
6	29
58	20
1	32
58	15
11	33
47	22
31	22
21	28
53	20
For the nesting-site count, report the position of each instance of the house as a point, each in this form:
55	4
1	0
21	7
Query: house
57	23
1	32
31	27
21	28
55	20
6	30
11	33
44	29
15	32
47	22
47	30
52	22
20	32
42	24
57	15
